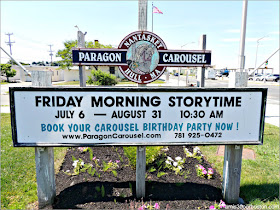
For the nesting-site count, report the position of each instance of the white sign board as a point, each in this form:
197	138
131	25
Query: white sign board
136	116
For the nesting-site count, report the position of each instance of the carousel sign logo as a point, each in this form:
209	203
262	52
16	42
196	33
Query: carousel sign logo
142	57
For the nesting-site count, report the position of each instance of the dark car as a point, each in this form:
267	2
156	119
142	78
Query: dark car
222	73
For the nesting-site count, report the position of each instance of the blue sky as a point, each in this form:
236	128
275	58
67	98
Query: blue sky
36	24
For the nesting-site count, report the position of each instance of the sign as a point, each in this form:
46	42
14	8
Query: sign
142	57
136	116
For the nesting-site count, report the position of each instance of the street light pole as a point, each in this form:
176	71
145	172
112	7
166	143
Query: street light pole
258	42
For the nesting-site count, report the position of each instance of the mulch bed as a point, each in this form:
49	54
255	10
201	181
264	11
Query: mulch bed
170	190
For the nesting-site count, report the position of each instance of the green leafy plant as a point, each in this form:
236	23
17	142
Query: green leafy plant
7	71
99	77
120	157
146	206
186	174
102	191
97	188
160	173
176	165
130	187
221	205
78	167
111	167
202	172
83	149
152	169
179	184
196	153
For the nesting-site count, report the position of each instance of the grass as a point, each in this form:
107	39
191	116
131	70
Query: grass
259	178
129	82
151	154
119	83
4	83
18	176
68	83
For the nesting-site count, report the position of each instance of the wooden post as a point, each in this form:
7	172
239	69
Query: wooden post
44	159
201	73
141	150
140	171
44	156
142	15
233	153
232	173
81	44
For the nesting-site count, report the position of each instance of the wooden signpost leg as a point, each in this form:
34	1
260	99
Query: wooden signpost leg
140	171
232	173
141	150
44	156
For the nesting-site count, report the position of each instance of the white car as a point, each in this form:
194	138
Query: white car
271	77
258	77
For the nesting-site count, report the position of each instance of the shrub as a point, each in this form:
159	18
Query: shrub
7	71
99	77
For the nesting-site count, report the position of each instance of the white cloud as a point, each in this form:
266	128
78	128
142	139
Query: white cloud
231	40
275	32
249	39
232	31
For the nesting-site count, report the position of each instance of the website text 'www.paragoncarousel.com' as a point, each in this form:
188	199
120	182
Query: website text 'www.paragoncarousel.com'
110	136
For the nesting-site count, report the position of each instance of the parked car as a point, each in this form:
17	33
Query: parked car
176	74
257	77
271	77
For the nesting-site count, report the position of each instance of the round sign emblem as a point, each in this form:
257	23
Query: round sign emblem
142	57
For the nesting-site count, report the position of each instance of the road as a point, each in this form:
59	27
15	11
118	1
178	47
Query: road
272	108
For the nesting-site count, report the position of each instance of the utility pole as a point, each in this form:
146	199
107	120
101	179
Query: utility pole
9	42
51	54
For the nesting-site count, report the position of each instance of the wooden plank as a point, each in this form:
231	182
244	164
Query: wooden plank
201	70
44	156
140	171
142	15
41	78
81	44
231	173
141	150
45	175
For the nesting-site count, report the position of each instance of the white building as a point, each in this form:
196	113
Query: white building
60	74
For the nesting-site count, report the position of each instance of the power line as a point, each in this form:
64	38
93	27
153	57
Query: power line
51	52
9	42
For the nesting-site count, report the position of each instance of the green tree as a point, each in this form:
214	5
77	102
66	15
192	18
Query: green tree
11	62
66	53
7	71
101	78
14	63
